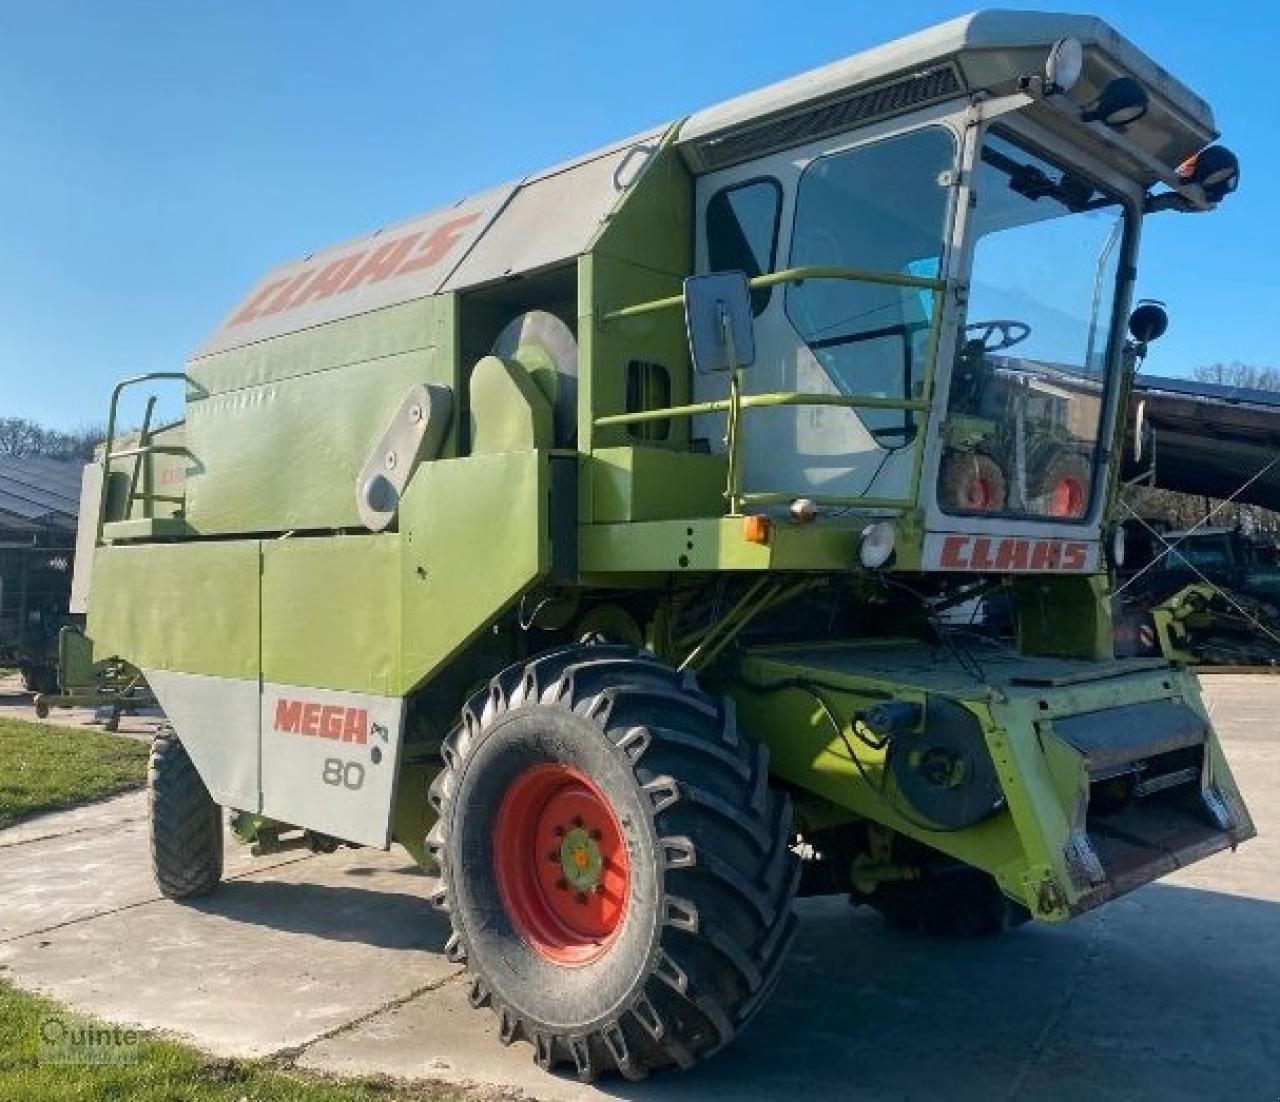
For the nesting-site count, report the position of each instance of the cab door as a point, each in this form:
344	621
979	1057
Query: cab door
878	200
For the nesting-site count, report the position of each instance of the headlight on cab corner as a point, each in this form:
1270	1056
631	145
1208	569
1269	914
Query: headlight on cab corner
877	545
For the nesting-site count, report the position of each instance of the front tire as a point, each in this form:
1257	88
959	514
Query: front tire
650	922
186	825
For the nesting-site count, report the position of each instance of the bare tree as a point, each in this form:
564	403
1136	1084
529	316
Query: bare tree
1235	373
22	437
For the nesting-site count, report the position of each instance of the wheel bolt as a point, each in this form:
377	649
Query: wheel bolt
563	885
582	897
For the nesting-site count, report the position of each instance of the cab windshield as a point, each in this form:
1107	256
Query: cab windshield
1028	387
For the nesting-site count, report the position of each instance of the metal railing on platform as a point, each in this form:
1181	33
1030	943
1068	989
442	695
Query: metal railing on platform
141	470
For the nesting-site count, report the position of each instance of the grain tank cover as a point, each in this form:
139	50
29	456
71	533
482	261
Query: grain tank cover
518	227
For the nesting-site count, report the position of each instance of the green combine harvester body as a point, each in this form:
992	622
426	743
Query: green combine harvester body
651	468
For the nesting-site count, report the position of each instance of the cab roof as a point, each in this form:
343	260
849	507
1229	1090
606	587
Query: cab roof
984	51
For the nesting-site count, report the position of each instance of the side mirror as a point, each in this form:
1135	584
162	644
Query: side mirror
717	310
1148	321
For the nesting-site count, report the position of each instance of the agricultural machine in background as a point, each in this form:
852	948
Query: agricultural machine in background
592	539
1207	596
38	497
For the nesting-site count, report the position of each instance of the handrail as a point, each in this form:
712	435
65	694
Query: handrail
738	401
790	275
762	401
108	446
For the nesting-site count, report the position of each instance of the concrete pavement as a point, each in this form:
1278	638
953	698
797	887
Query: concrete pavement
334	963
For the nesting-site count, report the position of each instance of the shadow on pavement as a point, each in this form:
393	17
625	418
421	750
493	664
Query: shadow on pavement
1170	993
386	920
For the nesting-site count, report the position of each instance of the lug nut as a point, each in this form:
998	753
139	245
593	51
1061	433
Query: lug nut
553	857
596	836
577	820
558	832
562	884
582	897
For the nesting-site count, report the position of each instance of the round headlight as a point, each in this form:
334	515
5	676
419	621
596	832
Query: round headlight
1118	545
1065	64
876	547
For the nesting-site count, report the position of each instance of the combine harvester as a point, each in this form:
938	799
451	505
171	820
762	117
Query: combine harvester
589	539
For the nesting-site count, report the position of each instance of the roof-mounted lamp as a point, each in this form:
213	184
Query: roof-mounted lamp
1216	169
1064	65
1123	101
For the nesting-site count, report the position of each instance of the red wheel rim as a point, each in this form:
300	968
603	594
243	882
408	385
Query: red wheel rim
979	494
561	864
1067	498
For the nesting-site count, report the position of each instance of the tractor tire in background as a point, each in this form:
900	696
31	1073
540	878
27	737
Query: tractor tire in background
970	482
186	825
1060	487
39	679
616	868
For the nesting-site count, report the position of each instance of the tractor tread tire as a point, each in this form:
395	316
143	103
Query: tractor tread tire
960	471
186	825
722	837
39	680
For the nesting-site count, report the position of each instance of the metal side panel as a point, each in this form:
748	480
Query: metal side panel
86	534
331	612
217	720
287	455
1131	732
329	760
475	534
183	607
553	217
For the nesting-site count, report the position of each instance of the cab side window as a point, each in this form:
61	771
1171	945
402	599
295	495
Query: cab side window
742	232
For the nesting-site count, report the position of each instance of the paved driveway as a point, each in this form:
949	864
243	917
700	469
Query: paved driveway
335	963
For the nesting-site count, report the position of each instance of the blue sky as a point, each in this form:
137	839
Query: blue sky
155	158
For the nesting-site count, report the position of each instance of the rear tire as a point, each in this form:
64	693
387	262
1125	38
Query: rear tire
39	679
186	825
696	876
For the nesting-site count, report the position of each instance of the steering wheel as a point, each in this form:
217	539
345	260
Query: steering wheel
1006	333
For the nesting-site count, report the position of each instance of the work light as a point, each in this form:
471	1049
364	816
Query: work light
1122	102
1216	169
1064	64
876	547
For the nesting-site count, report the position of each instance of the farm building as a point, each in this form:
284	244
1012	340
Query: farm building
39	504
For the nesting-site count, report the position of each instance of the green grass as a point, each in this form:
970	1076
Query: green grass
43	768
167	1071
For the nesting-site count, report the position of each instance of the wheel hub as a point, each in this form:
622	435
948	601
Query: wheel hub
581	860
561	864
